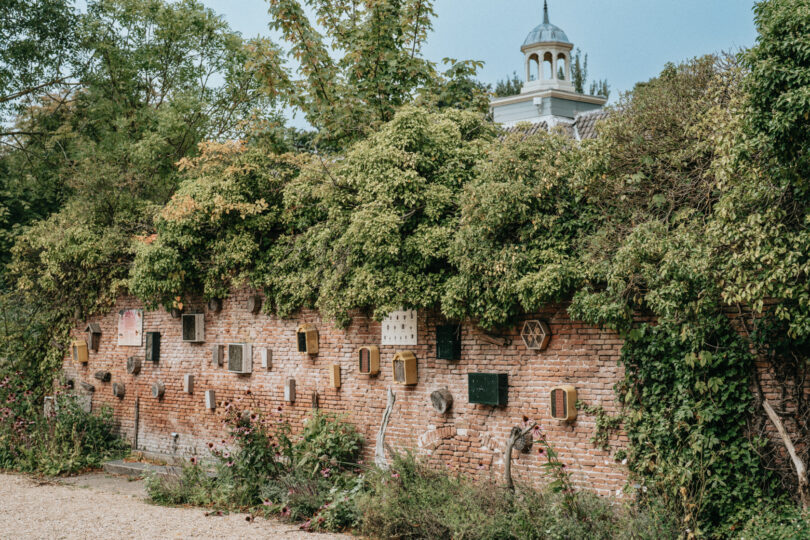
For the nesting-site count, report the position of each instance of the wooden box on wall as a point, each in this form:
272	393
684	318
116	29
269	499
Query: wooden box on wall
369	360
563	403
448	342
404	366
193	327
307	337
94	334
334	375
79	348
153	346
488	388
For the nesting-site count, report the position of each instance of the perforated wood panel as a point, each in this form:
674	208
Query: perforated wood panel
399	328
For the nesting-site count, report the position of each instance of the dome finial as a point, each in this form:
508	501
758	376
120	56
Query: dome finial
545	11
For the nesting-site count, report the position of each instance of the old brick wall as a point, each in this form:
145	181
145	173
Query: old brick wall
469	438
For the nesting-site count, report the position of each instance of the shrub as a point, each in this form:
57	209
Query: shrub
64	442
413	501
328	443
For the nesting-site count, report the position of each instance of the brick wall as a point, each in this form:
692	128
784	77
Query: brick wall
469	438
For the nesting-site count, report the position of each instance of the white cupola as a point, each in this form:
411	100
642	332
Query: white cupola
547	56
548	94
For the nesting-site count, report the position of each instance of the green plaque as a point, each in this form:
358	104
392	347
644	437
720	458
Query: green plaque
448	342
487	388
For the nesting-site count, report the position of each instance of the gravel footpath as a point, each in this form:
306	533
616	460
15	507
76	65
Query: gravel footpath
102	506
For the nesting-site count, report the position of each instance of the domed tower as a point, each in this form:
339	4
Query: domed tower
547	95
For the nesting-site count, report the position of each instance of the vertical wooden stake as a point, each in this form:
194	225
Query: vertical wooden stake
379	450
137	420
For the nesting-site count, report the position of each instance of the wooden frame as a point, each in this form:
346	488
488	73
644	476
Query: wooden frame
334	375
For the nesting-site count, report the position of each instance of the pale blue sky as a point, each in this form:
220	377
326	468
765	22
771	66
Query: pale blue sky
626	40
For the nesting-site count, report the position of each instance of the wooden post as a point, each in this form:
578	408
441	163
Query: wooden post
137	420
379	450
514	435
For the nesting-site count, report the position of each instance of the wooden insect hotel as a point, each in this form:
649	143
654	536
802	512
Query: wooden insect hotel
193	327
536	335
404	367
79	349
563	403
94	336
369	360
307	336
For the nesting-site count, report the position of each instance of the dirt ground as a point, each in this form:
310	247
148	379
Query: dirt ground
103	506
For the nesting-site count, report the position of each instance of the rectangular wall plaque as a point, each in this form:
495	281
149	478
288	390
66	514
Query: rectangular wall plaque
399	328
130	328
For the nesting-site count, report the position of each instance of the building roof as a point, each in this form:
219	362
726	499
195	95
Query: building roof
583	127
546	32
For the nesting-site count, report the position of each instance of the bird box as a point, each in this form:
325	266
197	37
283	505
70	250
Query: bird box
240	358
369	360
217	355
307	339
79	348
210	400
158	389
94	335
536	335
103	376
334	375
267	358
153	347
188	383
254	304
289	391
487	388
441	400
404	366
193	327
119	390
563	403
448	342
133	365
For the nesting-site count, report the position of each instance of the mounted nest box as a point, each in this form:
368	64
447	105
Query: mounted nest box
153	347
79	349
536	335
307	339
217	355
119	390
193	327
210	400
289	391
334	376
215	305
254	304
488	388
448	342
158	389
267	358
240	358
563	403
369	360
94	335
404	365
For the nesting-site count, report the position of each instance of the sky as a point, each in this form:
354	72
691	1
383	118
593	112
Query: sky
627	41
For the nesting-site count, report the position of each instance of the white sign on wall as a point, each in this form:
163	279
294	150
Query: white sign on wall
130	327
399	328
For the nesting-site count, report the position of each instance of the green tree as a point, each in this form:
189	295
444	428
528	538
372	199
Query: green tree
509	86
38	45
377	66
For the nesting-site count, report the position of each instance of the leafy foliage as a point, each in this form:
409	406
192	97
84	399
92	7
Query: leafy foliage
65	441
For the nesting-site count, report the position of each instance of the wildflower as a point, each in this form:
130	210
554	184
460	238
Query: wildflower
226	455
326	472
210	445
540	451
285	511
266	502
306	525
193	460
394	475
229	464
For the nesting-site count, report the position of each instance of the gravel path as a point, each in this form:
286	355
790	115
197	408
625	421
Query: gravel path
101	506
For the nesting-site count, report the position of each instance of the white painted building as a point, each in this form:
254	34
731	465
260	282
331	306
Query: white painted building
548	95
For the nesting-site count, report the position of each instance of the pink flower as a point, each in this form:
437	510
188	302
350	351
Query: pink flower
326	472
229	464
394	475
266	502
193	460
285	511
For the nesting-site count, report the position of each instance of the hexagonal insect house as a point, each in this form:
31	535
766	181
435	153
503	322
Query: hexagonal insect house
536	335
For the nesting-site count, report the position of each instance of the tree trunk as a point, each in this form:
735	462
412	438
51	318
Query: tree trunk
798	464
379	450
